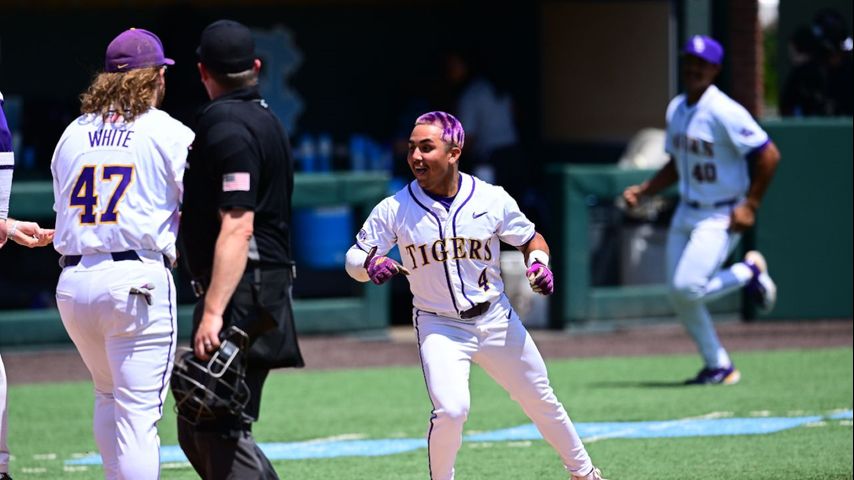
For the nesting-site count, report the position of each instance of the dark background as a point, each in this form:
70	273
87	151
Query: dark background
584	74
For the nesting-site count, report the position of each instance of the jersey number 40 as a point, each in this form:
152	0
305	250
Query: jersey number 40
705	172
84	195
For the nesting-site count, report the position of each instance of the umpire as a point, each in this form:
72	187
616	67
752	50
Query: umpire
235	231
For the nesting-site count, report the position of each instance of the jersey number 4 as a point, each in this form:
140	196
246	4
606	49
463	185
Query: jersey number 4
85	197
705	172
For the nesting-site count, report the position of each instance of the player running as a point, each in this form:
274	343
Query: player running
447	226
117	183
711	141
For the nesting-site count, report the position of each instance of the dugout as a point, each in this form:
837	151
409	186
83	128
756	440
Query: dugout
804	228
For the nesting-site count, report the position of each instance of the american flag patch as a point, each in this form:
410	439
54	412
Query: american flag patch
235	182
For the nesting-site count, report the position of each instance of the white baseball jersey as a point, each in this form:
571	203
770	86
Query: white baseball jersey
118	186
453	255
709	142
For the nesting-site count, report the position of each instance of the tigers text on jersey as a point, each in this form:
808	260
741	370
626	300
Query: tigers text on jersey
118	186
709	142
453	255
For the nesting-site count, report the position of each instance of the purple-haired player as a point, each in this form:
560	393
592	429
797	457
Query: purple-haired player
448	225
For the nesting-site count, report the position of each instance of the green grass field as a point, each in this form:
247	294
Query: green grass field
49	424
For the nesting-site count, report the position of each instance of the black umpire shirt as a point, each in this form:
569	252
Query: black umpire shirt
240	158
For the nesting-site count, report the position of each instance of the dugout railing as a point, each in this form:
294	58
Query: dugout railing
573	190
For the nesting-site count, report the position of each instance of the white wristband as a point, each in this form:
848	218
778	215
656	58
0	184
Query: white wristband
12	230
537	256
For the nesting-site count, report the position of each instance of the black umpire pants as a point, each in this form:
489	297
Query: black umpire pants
224	448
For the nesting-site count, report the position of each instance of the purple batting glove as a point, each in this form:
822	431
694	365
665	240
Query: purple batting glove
381	269
541	278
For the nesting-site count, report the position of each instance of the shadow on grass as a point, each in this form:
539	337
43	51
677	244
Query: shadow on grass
642	384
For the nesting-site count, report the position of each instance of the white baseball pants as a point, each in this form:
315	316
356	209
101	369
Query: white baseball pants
128	347
499	343
698	243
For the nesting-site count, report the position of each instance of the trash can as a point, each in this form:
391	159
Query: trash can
322	236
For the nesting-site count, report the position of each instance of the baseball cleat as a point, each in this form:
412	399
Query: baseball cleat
594	474
5	476
716	376
761	289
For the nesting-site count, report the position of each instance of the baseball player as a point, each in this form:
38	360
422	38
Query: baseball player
117	183
25	233
448	226
711	140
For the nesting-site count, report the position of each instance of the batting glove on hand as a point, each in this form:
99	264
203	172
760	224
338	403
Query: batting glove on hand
542	279
381	269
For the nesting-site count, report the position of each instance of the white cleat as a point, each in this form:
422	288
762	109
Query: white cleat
595	474
762	289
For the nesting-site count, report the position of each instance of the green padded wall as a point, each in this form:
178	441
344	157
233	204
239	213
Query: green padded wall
805	226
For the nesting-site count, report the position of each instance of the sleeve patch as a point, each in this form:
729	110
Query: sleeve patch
235	182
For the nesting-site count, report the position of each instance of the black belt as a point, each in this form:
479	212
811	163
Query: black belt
722	203
200	283
475	311
72	260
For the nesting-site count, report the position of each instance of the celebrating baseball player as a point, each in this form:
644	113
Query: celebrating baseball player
117	183
28	234
447	226
711	140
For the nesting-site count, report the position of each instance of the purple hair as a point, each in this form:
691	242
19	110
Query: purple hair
452	129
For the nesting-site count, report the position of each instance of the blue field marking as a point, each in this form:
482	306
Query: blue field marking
600	430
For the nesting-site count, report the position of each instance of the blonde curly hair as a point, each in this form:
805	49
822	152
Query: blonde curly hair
123	94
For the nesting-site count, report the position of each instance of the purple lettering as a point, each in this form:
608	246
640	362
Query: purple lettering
95	139
107	138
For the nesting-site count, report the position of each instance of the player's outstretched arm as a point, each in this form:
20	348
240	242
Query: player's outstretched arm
28	234
381	268
354	264
539	274
376	268
664	178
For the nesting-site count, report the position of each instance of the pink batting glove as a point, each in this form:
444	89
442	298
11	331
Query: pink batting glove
542	279
381	269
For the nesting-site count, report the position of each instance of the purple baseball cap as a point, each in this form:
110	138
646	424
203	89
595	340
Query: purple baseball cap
135	48
706	48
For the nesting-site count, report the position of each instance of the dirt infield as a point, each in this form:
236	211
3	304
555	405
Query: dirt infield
397	347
